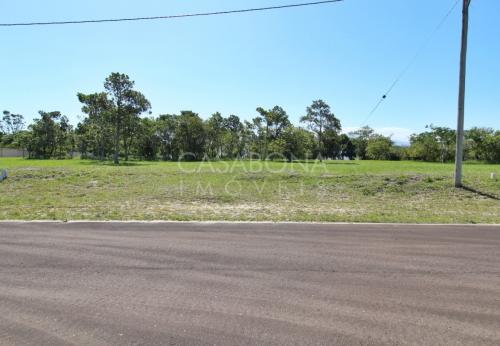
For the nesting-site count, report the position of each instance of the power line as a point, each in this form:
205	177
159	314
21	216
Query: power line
411	63
205	14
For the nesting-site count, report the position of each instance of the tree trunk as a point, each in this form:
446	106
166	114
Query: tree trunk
320	140
101	151
266	143
127	146
117	145
100	147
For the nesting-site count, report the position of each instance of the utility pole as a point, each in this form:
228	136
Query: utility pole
461	95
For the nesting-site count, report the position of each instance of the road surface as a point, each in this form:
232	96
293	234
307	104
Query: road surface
248	284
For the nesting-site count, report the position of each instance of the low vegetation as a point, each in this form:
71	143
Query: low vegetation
352	191
118	127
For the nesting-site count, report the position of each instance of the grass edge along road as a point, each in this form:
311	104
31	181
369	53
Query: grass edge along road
333	191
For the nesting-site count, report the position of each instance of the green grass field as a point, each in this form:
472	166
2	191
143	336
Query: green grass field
360	191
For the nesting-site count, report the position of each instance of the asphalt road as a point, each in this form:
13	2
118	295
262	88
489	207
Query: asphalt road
248	284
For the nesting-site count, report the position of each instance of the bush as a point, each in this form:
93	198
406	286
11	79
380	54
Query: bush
492	144
380	148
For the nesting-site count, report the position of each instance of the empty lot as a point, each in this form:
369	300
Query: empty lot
224	284
331	191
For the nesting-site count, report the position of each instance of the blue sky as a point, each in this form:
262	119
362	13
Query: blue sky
346	53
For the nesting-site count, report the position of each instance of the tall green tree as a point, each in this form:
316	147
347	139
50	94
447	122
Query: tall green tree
127	105
137	104
294	143
262	124
65	141
320	119
446	139
147	145
215	129
95	132
50	136
190	136
360	140
166	130
331	145
232	136
270	124
348	149
12	123
247	139
11	130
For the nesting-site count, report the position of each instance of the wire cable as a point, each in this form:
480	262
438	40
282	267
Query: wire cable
205	14
411	63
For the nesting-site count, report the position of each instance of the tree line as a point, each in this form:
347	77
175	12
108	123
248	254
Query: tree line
118	126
